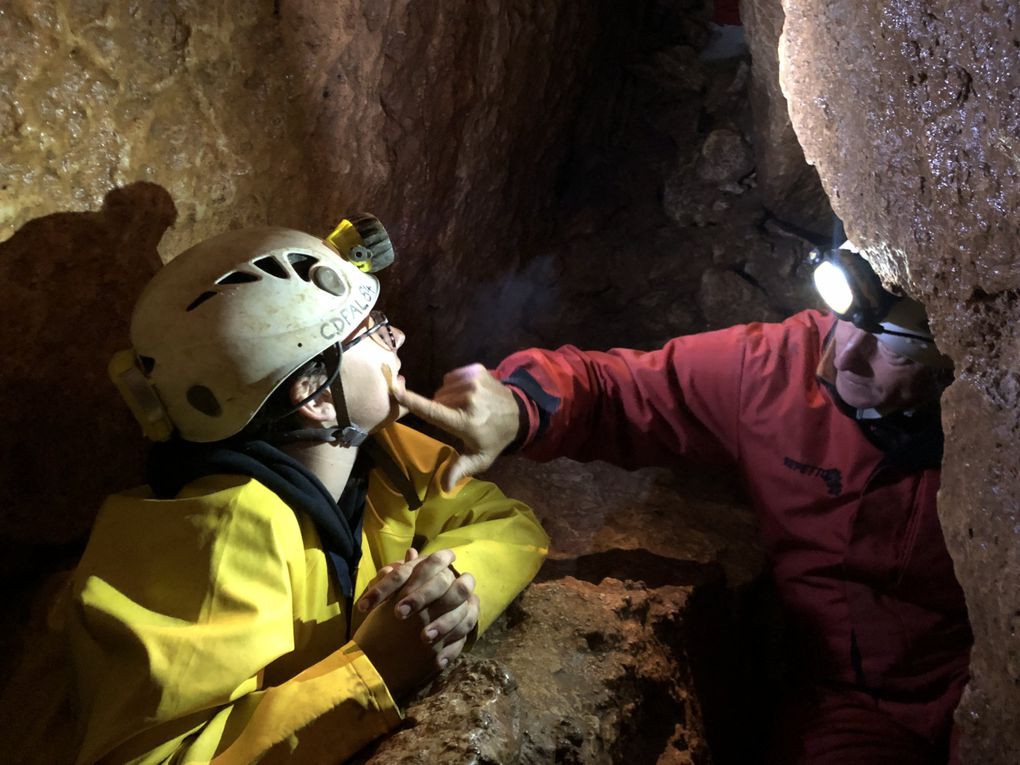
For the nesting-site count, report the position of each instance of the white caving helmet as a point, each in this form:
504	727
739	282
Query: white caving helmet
222	325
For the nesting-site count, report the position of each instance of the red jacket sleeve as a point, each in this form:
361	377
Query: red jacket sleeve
633	408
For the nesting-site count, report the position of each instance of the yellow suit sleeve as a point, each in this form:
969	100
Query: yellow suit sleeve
498	540
187	642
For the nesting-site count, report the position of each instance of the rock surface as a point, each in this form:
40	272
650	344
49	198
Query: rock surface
909	112
581	678
514	222
789	186
68	281
617	653
545	179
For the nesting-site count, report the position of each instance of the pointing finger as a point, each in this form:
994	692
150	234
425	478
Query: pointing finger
431	411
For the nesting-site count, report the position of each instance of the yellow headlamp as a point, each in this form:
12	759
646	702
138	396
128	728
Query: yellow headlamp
362	241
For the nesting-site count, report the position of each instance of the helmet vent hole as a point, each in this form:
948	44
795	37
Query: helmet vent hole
204	400
147	363
302	264
237	277
273	267
328	280
199	300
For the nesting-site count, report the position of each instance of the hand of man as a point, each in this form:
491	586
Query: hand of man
473	406
432	615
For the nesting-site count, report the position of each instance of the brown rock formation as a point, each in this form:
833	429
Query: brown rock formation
454	124
789	186
546	179
909	112
619	653
581	678
68	282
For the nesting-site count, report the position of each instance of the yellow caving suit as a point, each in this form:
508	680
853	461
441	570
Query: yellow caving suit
207	628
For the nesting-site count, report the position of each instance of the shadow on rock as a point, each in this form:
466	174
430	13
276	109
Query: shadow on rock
68	282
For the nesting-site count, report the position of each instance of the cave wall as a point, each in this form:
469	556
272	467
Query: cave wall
909	110
133	130
549	172
545	180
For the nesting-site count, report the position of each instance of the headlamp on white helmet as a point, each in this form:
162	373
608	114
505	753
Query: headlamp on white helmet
852	290
226	322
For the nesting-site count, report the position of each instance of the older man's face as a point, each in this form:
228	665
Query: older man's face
871	376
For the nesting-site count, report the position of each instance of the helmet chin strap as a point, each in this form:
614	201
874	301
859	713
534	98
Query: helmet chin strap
345	433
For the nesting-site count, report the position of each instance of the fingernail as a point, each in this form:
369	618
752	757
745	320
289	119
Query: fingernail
443	663
403	611
431	634
363	606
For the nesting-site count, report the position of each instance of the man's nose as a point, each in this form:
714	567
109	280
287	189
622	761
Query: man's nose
398	336
855	350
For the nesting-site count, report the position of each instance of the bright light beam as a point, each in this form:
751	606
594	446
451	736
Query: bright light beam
832	285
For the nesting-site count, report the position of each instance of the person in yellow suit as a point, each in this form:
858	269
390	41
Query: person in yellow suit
293	567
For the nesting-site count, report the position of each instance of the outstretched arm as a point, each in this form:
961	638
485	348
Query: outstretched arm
632	408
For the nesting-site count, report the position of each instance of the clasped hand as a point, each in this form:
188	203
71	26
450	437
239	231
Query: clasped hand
420	614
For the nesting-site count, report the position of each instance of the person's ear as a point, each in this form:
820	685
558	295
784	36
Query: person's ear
320	408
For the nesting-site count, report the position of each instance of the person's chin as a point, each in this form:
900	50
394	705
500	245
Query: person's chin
855	395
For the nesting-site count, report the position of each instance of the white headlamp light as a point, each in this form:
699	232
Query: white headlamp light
833	286
853	291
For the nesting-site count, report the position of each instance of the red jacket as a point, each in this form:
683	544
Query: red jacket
847	513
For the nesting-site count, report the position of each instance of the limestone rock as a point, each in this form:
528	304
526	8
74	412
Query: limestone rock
725	158
608	656
909	114
472	714
100	95
723	292
68	282
789	186
647	524
584	677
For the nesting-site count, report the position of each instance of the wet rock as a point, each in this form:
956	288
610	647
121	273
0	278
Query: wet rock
583	677
727	293
471	715
725	158
909	114
651	524
790	188
601	686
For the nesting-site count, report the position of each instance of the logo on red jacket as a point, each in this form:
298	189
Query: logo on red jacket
831	476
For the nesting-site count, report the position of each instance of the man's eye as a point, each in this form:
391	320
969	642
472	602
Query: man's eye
895	358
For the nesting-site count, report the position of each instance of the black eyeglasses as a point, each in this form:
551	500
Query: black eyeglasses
379	330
